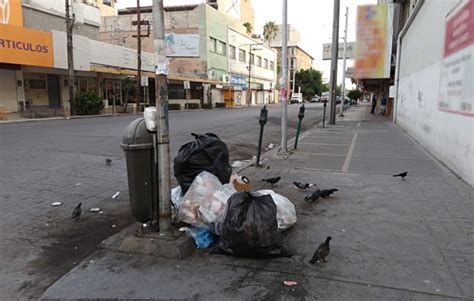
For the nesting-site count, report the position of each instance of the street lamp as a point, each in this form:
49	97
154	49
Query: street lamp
249	68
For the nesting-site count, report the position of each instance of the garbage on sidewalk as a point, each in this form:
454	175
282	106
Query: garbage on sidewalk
250	227
286	211
241	183
203	238
206	153
204	204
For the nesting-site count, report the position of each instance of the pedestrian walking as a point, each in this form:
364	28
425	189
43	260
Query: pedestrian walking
384	105
374	103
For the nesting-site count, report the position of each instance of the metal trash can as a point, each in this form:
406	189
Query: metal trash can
137	143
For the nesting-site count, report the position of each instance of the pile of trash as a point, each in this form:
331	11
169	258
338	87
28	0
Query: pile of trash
218	203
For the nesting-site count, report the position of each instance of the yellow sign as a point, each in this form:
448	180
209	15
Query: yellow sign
10	12
25	46
373	46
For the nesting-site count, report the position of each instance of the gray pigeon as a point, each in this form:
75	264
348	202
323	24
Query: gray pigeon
321	252
108	161
325	193
302	185
76	213
313	196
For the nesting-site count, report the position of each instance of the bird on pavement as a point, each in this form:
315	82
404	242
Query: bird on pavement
76	213
108	161
272	180
302	185
321	252
313	196
401	175
325	193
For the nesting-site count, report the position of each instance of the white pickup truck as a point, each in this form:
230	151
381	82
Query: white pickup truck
296	98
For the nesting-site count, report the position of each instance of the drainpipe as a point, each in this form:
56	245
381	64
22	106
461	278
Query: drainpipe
404	30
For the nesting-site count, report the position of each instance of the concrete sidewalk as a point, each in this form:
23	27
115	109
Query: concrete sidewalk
392	239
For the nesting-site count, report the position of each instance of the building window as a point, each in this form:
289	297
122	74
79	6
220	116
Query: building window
232	52
212	45
252	59
242	56
272	65
259	61
293	63
221	48
292	50
265	63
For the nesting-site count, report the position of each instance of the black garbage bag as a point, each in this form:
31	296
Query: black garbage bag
206	153
250	227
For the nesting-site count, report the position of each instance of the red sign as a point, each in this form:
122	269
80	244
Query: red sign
460	29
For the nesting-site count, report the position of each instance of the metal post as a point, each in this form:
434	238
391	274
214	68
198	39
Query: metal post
300	119
334	59
344	66
162	139
262	120
294	81
249	90
324	112
284	79
70	59
139	56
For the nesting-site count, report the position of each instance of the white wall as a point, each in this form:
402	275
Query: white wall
87	52
450	137
235	66
8	97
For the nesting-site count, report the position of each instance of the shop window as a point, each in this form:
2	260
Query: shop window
39	84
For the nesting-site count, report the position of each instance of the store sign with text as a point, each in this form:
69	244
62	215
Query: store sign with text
25	46
11	13
457	69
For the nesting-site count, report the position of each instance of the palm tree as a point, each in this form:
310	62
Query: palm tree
270	31
249	27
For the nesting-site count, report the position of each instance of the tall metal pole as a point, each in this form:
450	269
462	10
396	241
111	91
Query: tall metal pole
284	79
334	59
139	56
294	80
249	90
70	59
162	135
344	66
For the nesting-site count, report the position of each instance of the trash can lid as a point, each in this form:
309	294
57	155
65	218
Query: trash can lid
137	136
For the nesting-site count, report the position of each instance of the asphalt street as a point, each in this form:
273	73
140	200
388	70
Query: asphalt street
63	160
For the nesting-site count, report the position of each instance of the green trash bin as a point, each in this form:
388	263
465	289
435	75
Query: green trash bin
137	143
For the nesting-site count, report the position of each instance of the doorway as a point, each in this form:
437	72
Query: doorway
54	99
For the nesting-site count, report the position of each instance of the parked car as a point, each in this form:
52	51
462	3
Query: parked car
338	100
315	99
296	99
325	96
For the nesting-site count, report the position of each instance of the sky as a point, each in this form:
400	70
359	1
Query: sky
312	18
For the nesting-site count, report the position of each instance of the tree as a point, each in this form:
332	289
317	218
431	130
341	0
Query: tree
355	94
249	28
310	81
270	31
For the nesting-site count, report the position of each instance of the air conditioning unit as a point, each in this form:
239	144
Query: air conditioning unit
226	78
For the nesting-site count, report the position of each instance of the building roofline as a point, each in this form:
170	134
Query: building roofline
149	9
299	47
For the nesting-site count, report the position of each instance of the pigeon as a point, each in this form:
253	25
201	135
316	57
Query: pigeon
302	186
108	161
325	193
313	196
321	252
401	175
76	213
272	180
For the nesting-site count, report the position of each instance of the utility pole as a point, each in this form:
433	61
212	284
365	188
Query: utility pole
344	66
334	59
139	56
249	90
70	59
162	134
284	79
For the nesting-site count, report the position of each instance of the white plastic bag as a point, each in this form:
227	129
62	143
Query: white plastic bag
150	118
205	202
176	196
286	212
